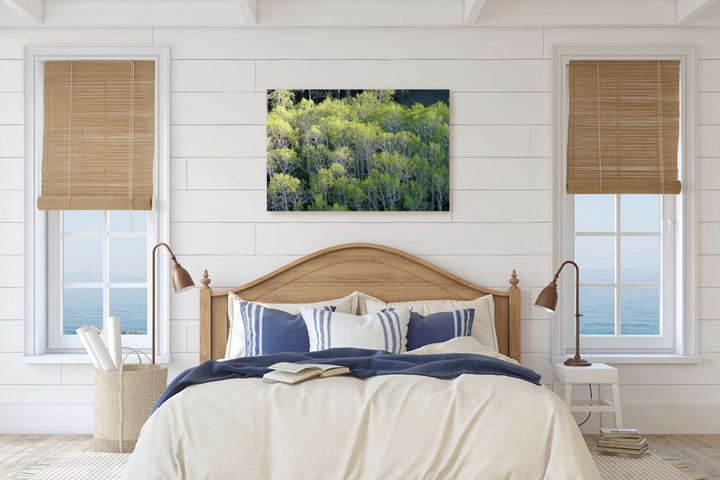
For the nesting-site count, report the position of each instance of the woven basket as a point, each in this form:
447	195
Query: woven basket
123	402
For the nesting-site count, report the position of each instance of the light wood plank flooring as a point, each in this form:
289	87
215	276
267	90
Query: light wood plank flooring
19	451
701	451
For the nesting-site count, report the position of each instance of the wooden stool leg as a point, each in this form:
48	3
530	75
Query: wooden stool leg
616	403
599	399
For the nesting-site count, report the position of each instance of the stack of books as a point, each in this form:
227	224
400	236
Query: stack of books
625	441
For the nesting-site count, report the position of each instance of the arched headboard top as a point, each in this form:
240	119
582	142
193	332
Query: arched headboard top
383	272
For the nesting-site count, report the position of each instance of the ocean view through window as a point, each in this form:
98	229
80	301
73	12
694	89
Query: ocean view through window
104	269
618	245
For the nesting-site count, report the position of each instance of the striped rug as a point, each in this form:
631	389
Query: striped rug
110	466
651	466
75	466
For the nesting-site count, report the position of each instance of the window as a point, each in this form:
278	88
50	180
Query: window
635	250
85	265
626	285
98	267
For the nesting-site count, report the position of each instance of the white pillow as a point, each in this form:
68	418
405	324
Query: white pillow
377	331
236	337
460	345
483	325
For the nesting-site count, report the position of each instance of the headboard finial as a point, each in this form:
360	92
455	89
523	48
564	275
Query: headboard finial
514	279
205	280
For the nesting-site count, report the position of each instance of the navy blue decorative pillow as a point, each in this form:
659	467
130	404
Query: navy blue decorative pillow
439	327
273	331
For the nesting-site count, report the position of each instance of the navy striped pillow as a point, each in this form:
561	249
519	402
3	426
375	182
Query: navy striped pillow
439	327
268	330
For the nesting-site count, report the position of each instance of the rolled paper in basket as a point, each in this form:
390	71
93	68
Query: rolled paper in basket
96	343
114	341
91	353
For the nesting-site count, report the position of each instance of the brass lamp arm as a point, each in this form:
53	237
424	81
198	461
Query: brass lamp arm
557	274
577	360
181	280
547	299
172	256
162	244
577	283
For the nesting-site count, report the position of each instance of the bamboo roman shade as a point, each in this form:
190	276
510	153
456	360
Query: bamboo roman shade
99	135
624	126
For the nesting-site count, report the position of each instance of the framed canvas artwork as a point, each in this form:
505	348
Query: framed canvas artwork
358	150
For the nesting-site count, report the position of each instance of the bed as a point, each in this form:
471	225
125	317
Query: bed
384	426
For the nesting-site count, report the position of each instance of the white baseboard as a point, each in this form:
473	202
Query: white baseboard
662	418
46	419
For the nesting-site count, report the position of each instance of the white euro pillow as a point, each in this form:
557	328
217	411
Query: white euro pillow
483	325
376	331
460	345
236	337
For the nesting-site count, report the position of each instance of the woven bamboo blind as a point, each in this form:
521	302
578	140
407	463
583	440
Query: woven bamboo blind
624	127
99	135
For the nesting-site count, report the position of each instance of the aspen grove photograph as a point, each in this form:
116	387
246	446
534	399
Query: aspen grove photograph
358	150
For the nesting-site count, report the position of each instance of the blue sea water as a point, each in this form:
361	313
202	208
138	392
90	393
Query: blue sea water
83	306
640	311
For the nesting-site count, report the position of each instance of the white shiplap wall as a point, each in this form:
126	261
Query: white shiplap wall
501	175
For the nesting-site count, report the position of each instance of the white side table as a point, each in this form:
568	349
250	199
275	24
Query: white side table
597	373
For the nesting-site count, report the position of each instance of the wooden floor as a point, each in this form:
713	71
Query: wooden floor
19	451
700	451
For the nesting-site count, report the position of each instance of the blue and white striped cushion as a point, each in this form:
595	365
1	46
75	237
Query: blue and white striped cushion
439	327
268	330
377	331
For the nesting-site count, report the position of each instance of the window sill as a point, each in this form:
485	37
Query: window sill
76	359
640	358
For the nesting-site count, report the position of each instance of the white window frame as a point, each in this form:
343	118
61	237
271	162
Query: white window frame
37	280
56	340
678	225
663	343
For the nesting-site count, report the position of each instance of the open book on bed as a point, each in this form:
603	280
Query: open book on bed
292	373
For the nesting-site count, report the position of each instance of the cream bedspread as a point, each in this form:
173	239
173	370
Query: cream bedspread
384	427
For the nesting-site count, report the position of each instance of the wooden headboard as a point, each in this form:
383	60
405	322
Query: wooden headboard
380	271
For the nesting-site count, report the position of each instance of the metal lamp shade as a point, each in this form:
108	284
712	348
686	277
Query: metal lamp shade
181	279
548	298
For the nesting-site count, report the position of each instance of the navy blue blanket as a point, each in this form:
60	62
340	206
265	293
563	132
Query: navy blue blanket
362	363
